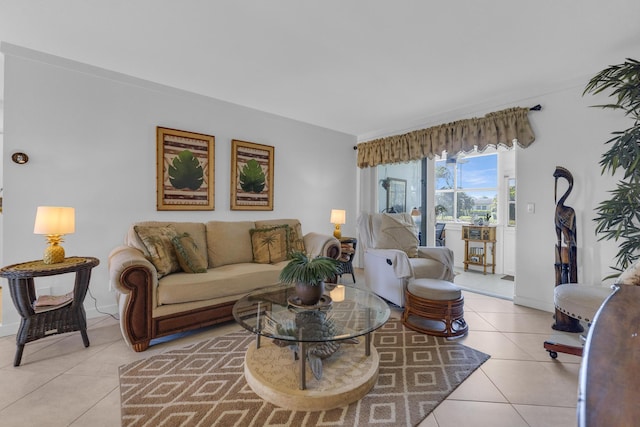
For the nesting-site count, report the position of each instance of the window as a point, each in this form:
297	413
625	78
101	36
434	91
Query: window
399	187
511	211
467	188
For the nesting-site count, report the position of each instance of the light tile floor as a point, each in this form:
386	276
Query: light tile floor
61	383
487	284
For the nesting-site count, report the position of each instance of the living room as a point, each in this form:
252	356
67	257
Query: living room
89	131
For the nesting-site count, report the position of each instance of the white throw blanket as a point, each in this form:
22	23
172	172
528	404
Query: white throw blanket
399	261
438	253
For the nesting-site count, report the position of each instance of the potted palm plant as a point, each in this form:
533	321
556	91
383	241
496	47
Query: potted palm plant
617	218
308	274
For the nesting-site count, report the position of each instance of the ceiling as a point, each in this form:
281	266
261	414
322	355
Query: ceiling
364	67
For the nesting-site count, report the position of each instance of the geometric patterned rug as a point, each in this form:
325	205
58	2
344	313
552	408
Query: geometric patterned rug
203	384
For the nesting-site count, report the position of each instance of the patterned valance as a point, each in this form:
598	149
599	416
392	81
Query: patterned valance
498	128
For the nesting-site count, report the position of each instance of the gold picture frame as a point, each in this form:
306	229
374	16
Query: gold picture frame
185	170
251	176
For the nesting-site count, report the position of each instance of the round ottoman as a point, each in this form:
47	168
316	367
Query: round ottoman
434	307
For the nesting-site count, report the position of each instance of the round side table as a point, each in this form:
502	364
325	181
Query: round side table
40	323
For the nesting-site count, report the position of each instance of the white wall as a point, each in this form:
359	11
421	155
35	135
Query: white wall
571	134
1	192
568	133
90	136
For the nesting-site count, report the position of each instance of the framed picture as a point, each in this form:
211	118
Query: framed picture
185	170
251	176
397	195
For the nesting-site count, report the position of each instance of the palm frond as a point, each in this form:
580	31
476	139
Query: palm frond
618	218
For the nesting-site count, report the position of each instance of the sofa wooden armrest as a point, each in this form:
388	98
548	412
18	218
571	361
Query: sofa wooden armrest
133	277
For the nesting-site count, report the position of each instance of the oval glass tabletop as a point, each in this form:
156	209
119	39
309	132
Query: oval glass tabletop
344	312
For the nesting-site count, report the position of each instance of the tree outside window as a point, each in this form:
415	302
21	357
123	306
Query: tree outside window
467	188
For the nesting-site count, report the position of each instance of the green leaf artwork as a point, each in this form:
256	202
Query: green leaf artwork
252	178
185	172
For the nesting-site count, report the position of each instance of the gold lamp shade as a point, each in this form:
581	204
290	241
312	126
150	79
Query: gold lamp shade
54	222
338	217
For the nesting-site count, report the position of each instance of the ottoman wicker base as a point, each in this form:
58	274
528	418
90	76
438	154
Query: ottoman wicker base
434	307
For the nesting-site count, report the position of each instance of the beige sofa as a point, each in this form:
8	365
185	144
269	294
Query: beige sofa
154	301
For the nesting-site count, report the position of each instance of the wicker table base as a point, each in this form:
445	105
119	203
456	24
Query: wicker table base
68	318
439	317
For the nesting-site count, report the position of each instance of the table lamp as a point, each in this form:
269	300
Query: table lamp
338	217
54	222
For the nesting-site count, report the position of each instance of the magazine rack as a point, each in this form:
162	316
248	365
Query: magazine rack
67	316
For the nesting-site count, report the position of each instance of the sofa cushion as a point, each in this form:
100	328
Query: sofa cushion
428	267
229	242
233	279
296	238
195	229
189	258
157	241
270	245
396	233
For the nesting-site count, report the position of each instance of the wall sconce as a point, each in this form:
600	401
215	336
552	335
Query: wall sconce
20	158
338	217
54	222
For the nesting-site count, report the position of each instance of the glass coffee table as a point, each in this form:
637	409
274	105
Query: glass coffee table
326	337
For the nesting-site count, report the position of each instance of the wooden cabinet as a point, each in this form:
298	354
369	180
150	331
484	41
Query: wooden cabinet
476	238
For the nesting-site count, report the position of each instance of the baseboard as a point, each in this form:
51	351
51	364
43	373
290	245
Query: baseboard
534	303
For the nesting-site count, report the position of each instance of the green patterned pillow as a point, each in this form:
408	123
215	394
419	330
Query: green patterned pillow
157	240
189	258
270	245
296	242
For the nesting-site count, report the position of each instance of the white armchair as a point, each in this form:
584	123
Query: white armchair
392	256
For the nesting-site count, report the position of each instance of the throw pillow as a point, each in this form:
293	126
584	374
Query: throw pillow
296	238
296	242
157	240
270	245
395	233
189	258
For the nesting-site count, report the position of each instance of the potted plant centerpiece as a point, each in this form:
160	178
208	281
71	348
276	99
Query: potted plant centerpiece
308	274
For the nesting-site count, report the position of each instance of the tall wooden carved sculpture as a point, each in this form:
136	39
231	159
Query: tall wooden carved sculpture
566	264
